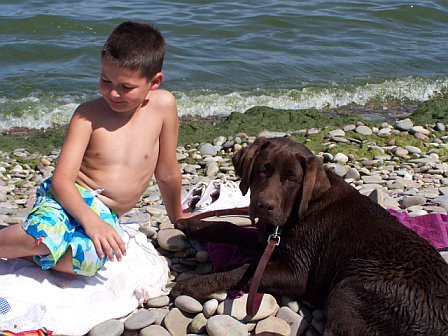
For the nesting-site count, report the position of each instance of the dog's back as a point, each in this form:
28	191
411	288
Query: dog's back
394	282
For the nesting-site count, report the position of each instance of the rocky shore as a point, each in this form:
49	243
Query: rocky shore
400	164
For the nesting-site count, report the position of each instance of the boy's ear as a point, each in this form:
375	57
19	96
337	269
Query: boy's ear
156	80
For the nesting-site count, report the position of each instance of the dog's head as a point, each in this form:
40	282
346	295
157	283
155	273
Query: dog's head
279	173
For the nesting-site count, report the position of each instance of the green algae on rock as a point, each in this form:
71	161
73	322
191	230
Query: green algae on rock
260	118
252	122
35	142
431	111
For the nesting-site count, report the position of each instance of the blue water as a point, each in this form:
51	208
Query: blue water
227	56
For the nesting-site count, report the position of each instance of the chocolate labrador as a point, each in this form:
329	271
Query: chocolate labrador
339	250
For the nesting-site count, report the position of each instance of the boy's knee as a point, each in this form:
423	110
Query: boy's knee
70	264
35	245
39	246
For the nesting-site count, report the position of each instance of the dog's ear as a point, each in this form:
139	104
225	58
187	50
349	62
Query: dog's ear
243	161
315	181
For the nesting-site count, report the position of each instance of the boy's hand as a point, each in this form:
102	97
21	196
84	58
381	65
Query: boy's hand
105	239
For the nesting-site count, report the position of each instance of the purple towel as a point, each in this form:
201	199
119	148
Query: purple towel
226	255
433	227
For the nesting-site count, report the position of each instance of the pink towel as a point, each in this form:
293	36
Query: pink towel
433	227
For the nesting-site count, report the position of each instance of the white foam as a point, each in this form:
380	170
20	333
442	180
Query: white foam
35	112
208	103
37	115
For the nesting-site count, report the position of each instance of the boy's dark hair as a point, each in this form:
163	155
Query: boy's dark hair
137	46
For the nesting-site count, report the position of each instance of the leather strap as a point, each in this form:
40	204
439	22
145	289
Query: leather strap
254	298
223	212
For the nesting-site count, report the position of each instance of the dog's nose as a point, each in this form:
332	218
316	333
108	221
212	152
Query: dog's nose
266	204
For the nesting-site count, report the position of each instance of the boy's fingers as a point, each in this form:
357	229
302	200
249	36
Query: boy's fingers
121	245
98	248
116	250
108	249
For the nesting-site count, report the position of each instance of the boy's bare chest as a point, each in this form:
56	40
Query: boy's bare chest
125	145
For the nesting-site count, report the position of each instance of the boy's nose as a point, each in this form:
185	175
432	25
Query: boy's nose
114	93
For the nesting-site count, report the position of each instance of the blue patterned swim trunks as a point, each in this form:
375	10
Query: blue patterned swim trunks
50	224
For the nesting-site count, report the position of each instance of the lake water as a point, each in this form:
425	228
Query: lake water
226	56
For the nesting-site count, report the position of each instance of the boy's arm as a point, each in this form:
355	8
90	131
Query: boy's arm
167	171
104	237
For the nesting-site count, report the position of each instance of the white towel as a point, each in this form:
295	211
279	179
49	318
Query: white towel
72	305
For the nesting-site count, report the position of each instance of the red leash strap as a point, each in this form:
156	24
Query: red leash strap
223	212
254	298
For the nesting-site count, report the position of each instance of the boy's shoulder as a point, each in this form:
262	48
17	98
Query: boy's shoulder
162	99
97	103
91	106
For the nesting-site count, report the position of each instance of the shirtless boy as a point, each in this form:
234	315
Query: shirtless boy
113	146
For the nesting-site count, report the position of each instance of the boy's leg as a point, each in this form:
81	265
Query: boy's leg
16	243
65	264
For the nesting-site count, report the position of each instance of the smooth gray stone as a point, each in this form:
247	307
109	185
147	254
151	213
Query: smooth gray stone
188	304
273	134
413	149
272	325
225	325
158	302
419	129
401	152
364	130
154	330
340	157
161	313
208	149
404	125
177	322
172	240
198	324
210	307
439	127
139	320
373	179
336	133
290	303
349	127
107	328
352	173
219	141
296	321
237	308
445	256
339	139
409	201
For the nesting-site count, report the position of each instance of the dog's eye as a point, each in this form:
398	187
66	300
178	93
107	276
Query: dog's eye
291	177
261	171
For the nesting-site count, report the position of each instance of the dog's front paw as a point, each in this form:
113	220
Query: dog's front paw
188	225
192	286
176	290
182	288
181	224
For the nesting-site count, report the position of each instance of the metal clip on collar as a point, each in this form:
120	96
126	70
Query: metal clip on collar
275	235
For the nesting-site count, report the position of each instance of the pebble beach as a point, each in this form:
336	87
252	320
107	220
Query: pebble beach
410	175
363	84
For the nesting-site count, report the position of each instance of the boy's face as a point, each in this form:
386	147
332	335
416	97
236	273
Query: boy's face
124	90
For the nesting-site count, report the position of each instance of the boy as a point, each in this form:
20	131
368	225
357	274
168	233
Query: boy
113	146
